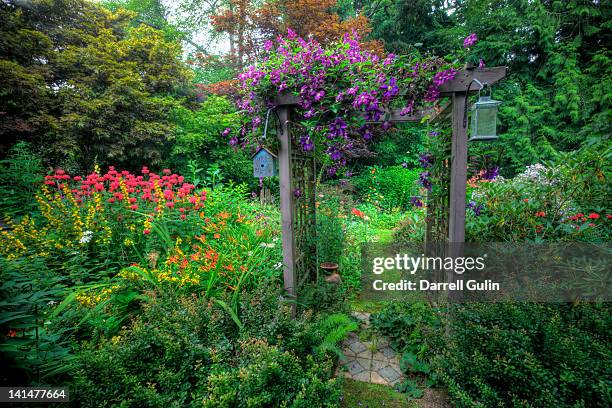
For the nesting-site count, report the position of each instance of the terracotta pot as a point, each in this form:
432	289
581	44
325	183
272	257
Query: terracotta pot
329	267
333	278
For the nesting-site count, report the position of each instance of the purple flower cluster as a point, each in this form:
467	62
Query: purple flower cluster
337	129
476	208
425	159
416	201
442	77
424	180
491	173
389	90
470	40
334	87
407	109
307	143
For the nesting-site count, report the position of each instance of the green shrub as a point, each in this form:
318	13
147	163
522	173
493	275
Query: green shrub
497	355
564	200
199	138
188	351
390	187
21	175
269	377
32	349
162	359
530	355
411	229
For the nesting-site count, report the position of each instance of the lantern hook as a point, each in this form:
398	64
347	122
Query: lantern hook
273	109
467	94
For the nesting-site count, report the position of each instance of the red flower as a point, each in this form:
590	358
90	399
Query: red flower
358	213
609	216
593	216
146	232
526	200
540	214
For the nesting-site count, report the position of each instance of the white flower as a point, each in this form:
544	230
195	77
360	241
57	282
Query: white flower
87	235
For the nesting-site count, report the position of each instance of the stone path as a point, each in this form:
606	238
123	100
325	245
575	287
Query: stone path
371	360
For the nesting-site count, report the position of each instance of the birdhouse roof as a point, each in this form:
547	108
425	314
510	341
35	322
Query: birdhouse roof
265	150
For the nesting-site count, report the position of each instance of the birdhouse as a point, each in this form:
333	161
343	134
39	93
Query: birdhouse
264	163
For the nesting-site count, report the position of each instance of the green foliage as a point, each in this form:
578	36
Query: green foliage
406	326
195	354
360	394
150	12
411	229
531	355
32	351
503	354
20	177
84	86
557	93
198	138
336	327
390	187
325	297
330	228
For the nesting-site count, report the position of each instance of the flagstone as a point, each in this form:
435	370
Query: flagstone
371	360
357	347
389	374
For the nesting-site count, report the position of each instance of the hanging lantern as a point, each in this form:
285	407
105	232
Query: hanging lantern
484	118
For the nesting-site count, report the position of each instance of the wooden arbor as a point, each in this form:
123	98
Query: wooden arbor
457	90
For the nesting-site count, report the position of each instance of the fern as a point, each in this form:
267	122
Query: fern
335	328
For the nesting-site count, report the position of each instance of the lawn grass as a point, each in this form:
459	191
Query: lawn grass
357	394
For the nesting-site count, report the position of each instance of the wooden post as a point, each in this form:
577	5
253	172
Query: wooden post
286	205
458	181
458	177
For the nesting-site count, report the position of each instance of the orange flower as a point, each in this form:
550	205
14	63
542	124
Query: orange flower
259	233
217	236
12	333
224	215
